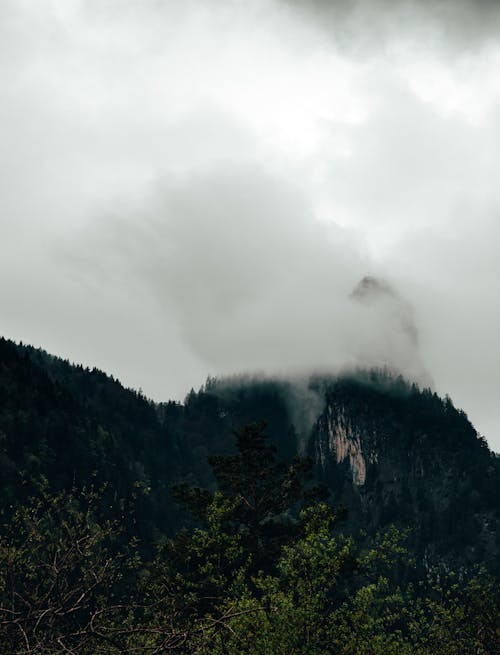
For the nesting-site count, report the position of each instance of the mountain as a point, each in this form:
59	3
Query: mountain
393	453
388	451
78	427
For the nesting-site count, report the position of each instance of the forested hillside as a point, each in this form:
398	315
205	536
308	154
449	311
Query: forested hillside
387	451
393	453
364	518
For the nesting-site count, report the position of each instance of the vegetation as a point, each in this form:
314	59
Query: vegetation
74	426
104	550
262	573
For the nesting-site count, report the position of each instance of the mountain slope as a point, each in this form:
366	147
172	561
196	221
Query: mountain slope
388	451
395	454
77	427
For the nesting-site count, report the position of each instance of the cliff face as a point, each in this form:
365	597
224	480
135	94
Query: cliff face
340	439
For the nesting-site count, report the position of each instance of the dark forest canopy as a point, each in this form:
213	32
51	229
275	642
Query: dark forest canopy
263	572
249	539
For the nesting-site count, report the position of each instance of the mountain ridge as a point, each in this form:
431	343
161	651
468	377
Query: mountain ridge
387	450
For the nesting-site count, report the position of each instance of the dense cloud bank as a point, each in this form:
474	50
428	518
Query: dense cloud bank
190	189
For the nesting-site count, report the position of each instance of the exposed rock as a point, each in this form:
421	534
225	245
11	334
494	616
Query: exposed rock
344	443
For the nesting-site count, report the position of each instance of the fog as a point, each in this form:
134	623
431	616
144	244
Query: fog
193	189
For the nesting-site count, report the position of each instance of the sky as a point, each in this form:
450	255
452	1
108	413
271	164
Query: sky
278	187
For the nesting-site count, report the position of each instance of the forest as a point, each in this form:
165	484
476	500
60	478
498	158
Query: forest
130	527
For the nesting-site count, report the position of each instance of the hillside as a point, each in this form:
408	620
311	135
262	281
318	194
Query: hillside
388	451
128	526
395	454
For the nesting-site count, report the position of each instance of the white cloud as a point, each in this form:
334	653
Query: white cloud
189	189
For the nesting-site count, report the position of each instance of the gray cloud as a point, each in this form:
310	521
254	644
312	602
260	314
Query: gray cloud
375	291
255	283
188	190
363	26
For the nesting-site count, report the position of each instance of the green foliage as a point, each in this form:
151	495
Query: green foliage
60	571
328	596
263	492
322	592
71	583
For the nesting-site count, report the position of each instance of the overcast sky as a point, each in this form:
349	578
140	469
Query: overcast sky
193	188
